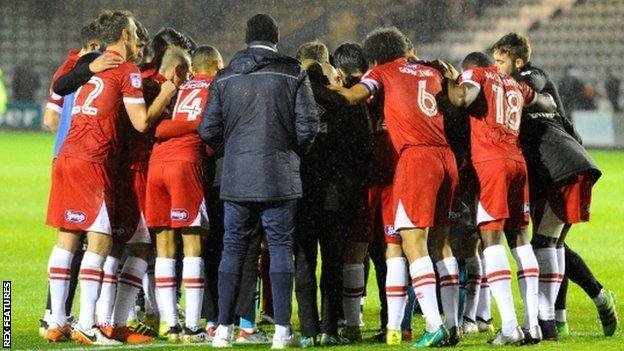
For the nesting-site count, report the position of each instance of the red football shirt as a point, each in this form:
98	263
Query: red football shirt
55	102
495	115
93	132
410	108
192	98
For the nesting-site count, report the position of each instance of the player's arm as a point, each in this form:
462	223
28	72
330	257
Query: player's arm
462	95
162	100
169	128
88	65
543	102
51	119
354	95
211	126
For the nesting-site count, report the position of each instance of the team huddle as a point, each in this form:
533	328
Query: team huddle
159	185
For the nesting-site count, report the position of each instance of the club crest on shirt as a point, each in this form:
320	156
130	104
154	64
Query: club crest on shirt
179	215
135	80
75	216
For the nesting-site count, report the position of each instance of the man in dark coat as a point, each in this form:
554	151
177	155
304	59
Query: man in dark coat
261	116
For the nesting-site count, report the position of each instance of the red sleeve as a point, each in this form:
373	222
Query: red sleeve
132	85
474	76
168	128
372	80
528	93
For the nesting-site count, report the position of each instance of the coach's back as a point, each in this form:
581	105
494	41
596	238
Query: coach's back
261	114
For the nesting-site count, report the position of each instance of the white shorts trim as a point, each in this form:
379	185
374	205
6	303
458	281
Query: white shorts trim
401	220
141	234
202	216
101	224
550	225
482	214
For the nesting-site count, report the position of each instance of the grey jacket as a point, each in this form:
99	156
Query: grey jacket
261	116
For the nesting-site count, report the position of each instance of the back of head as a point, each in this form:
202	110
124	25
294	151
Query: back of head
206	59
476	59
112	24
314	50
515	45
350	58
173	57
262	27
90	34
384	45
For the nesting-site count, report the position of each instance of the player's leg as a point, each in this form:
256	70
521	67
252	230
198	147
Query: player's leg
560	309
579	273
397	280
465	246
353	288
448	272
193	278
240	222
165	277
106	299
278	221
306	252
484	308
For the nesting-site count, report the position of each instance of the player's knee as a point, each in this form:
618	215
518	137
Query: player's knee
355	252
140	250
540	241
166	246
98	243
491	237
393	251
68	241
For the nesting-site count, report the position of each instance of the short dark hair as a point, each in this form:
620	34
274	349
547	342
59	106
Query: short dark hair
313	50
515	45
384	45
89	33
142	32
165	37
476	59
112	23
350	58
262	27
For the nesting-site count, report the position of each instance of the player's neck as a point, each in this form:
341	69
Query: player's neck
120	48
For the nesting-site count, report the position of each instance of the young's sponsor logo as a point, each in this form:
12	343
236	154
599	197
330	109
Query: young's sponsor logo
75	216
179	214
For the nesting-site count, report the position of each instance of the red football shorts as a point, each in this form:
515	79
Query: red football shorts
129	220
423	188
380	205
80	196
503	200
175	195
567	203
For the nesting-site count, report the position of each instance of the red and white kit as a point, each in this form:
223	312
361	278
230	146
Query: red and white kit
503	200
81	192
175	193
422	197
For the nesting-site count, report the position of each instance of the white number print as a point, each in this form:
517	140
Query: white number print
86	108
191	105
508	107
426	101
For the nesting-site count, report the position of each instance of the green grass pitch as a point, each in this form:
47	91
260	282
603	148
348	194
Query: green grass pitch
25	243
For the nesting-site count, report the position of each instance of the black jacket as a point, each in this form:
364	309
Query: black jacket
335	168
261	115
550	144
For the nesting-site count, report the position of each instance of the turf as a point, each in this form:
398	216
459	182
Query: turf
25	244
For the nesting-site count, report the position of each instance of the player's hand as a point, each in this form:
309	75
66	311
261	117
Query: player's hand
104	62
168	89
448	70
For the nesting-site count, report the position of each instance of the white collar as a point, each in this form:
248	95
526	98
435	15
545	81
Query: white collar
266	47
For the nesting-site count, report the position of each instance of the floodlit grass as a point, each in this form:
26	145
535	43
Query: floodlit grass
25	243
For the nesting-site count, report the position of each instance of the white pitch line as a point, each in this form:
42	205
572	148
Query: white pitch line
126	347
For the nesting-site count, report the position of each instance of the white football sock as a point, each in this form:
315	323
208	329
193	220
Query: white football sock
165	276
600	299
396	291
473	287
104	306
528	273
560	267
90	281
499	278
548	282
59	271
149	290
424	285
130	282
193	277
561	316
449	290
353	289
